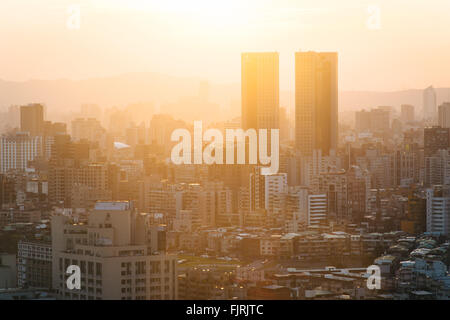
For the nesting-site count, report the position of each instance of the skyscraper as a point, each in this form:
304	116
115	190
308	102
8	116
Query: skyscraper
260	90
316	101
444	115
429	104
32	119
434	139
407	113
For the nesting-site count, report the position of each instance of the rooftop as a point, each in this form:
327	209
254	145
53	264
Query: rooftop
113	205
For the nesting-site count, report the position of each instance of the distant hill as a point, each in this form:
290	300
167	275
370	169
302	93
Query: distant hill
63	96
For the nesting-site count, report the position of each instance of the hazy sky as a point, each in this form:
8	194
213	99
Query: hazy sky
204	38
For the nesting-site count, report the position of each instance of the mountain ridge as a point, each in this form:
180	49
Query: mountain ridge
66	95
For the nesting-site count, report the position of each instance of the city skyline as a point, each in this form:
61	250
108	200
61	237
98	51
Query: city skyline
176	181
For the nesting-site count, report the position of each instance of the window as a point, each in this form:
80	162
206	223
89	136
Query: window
90	268
140	267
155	267
98	269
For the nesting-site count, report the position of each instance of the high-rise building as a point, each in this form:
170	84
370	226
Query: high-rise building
406	167
69	171
362	121
32	119
407	113
201	201
317	163
297	204
435	138
119	255
334	185
296	210
16	151
429	104
87	129
317	209
284	125
225	216
78	186
375	120
136	135
275	190
161	128
34	264
415	220
160	196
438	210
51	131
382	167
256	190
437	168
7	190
54	128
444	115
260	90
316	101
358	186
346	191
8	271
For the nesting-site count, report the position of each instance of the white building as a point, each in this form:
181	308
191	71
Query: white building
317	208
438	210
17	150
275	190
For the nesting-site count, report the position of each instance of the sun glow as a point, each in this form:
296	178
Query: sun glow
213	13
198	7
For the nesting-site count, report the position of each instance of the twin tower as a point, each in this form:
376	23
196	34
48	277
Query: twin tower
316	97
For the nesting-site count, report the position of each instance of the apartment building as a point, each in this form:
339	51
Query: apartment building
317	209
438	210
16	151
121	255
34	264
